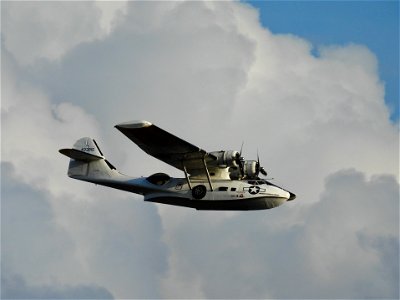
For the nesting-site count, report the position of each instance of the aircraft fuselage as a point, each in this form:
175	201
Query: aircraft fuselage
226	194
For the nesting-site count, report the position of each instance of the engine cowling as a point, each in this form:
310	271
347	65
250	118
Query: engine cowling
226	159
250	169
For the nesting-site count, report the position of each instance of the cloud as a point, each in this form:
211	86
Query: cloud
209	73
344	246
161	65
112	242
34	244
32	241
229	74
48	30
352	211
36	128
16	288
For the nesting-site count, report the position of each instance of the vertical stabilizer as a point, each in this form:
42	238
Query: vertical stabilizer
89	146
87	161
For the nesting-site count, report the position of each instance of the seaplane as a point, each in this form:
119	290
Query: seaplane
219	180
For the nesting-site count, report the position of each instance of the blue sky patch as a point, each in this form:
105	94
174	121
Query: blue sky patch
374	24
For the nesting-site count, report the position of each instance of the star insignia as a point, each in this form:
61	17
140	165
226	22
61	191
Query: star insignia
254	190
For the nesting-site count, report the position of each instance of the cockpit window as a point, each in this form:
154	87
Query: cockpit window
256	182
158	178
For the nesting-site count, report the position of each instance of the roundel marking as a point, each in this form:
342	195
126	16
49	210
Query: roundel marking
254	189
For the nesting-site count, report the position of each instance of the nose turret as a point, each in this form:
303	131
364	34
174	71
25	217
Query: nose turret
291	197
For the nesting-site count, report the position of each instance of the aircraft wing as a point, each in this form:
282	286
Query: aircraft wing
165	146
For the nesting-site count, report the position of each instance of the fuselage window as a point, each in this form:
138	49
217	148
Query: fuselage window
233	189
252	182
222	188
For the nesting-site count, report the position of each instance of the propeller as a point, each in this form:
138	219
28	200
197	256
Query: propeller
240	161
258	166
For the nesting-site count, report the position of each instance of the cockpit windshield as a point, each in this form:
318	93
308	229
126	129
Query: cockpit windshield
258	182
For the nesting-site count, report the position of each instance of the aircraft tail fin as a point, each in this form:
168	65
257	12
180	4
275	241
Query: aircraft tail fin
84	149
87	161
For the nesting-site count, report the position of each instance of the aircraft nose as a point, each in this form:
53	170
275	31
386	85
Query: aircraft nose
292	196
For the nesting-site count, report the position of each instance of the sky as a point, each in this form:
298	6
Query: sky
315	104
374	24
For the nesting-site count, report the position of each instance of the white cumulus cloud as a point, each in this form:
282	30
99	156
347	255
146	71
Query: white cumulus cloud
211	74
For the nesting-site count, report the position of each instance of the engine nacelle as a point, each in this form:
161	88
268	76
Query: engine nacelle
250	169
226	159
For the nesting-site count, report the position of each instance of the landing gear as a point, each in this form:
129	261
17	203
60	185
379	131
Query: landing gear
199	191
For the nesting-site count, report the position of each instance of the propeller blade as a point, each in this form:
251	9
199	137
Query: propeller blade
240	161
259	168
258	163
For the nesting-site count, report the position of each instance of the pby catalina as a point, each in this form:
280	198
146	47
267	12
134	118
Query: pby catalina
220	180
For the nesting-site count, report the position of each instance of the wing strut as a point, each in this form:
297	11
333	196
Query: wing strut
186	175
207	173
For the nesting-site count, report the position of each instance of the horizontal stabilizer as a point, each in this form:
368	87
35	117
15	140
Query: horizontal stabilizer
79	155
